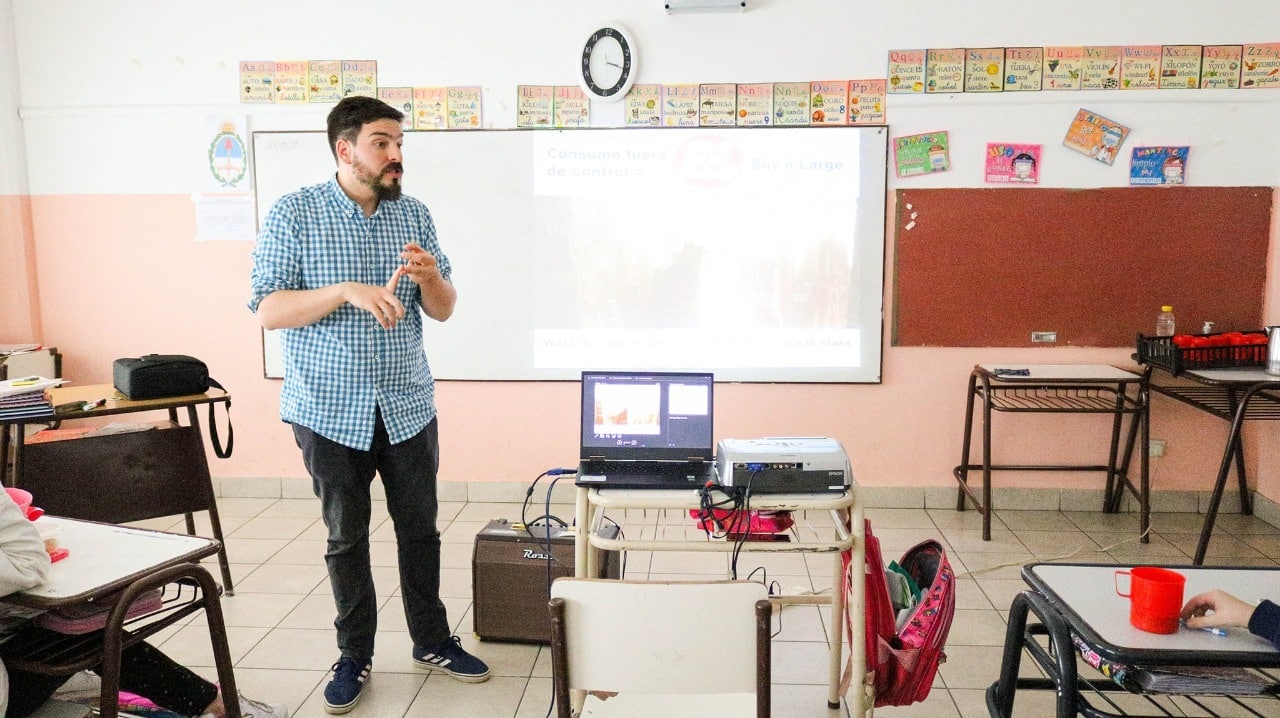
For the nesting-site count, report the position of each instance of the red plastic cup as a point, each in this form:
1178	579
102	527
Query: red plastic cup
22	498
1155	598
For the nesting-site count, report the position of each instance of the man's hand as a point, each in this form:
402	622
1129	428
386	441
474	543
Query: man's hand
419	265
381	302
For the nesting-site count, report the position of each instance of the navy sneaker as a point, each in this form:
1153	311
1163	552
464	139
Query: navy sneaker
450	657
349	677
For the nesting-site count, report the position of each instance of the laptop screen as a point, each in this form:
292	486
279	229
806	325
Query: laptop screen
646	416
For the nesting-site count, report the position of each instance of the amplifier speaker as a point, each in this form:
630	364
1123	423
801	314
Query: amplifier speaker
509	578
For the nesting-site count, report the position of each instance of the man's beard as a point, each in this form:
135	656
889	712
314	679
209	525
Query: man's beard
373	181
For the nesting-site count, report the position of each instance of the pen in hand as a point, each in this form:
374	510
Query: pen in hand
1215	630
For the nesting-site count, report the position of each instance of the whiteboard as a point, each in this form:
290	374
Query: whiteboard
755	253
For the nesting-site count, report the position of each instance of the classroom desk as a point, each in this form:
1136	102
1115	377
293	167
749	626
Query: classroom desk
119	478
845	511
121	563
1235	396
1059	389
1080	599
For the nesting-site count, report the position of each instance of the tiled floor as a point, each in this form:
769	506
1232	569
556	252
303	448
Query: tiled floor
282	642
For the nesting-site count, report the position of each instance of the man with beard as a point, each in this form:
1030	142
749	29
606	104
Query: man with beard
335	266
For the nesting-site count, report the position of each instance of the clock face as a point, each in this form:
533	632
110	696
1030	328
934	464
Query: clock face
608	64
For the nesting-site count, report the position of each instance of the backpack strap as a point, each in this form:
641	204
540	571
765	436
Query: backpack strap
218	449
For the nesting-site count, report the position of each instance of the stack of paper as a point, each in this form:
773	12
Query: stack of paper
25	397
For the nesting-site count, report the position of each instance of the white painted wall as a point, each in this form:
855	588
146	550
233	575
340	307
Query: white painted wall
114	94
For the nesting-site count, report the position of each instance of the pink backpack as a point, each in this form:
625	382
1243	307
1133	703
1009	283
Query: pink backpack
905	661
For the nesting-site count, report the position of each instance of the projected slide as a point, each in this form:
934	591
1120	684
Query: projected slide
754	253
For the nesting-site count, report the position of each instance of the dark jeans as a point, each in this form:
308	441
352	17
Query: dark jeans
340	477
144	670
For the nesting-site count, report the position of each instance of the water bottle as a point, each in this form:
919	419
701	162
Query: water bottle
1164	322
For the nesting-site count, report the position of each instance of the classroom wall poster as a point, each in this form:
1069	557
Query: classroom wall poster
429	111
921	154
400	98
984	69
867	102
572	108
1158	165
906	72
1011	162
360	77
790	104
1023	69
464	108
1140	67
1095	136
325	83
755	104
292	77
1180	67
680	105
1100	68
1220	67
534	105
829	101
1062	67
1261	66
642	106
717	104
257	81
944	70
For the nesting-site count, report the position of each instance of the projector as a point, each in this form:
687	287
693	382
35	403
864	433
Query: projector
784	465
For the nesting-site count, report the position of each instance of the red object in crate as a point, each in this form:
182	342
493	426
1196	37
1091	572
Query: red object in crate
1220	350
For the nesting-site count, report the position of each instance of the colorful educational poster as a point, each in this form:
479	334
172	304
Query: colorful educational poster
1023	69
755	104
921	154
1011	162
291	82
1140	67
464	108
867	102
1158	165
1062	67
429	108
983	69
400	98
1096	136
791	104
360	77
680	105
535	105
1220	67
325	83
642	107
829	102
1180	67
257	81
1100	68
717	104
906	72
1261	66
572	108
944	70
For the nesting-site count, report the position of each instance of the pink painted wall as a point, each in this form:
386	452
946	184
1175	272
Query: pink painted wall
120	275
19	316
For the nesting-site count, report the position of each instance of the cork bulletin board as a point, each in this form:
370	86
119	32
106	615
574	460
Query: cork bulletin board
987	267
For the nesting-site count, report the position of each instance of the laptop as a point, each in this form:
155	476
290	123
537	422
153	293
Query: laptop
646	430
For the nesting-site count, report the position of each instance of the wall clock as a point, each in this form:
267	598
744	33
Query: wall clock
608	64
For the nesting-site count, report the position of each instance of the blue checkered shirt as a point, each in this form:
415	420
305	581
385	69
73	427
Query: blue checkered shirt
340	368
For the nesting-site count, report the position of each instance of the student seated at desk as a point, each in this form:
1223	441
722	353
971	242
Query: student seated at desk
1219	608
144	670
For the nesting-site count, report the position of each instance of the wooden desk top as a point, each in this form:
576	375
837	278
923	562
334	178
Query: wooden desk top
116	403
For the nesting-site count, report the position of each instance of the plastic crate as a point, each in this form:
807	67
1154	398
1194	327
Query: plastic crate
1162	352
